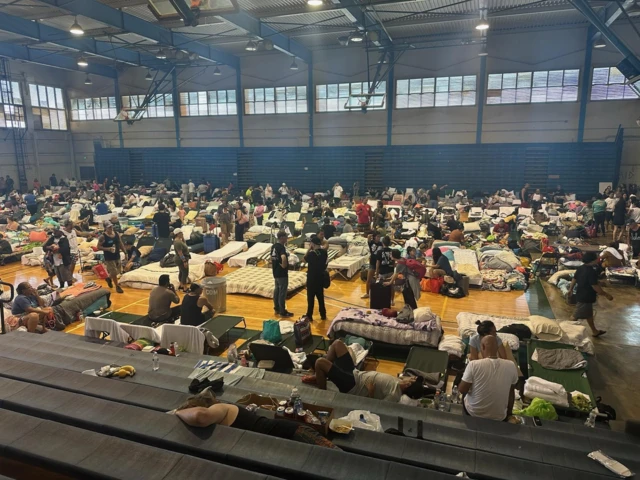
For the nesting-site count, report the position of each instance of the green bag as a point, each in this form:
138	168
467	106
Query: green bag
539	408
271	331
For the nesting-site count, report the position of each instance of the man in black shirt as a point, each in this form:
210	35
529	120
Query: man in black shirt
374	245
280	264
328	229
162	219
384	260
316	259
586	279
53	181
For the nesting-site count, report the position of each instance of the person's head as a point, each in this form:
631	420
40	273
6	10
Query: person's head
128	244
348	221
486	327
412	387
612	195
164	280
434	186
315	243
489	346
195	289
161	207
589	257
204	400
282	237
177	233
68	225
615	244
422	247
24	288
395	254
411	252
326	221
380	204
633	225
320	235
537	190
57	232
108	226
386	241
501	222
436	253
526	185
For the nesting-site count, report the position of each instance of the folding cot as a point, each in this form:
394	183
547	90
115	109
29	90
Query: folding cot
428	360
222	324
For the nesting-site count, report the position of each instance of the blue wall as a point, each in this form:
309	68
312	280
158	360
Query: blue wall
473	167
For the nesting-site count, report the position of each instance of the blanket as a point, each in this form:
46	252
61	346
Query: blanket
375	318
559	359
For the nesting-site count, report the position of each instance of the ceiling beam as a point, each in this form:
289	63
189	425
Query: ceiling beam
45	57
261	30
46	34
130	23
365	20
611	14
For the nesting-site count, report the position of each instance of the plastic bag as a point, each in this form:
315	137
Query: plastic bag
365	420
539	408
271	331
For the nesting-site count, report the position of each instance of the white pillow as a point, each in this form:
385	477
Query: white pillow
512	340
545	328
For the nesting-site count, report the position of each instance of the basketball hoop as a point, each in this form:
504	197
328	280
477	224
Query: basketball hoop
130	115
365	101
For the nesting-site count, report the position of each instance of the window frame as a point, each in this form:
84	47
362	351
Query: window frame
591	99
532	86
60	106
341	100
276	101
140	99
112	111
185	113
5	110
435	92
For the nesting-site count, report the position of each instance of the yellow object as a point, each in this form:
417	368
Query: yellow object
526	262
122	373
128	368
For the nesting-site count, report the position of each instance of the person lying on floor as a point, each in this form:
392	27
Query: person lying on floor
204	410
339	367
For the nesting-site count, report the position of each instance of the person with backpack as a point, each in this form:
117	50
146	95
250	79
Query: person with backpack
413	272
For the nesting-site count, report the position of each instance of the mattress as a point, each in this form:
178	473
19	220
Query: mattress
259	281
146	277
255	251
229	250
467	264
389	335
352	264
146	212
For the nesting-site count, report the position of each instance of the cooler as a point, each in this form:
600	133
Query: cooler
215	290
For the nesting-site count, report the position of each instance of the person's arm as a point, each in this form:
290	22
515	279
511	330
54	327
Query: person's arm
464	387
600	291
473	353
572	286
512	398
203	302
371	388
378	263
502	353
284	261
202	417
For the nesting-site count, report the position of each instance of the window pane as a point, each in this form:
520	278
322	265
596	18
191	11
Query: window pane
231	96
442	84
554	94
615	76
555	78
402	88
321	91
429	85
455	98
42	94
495	81
232	108
302	93
402	100
321	105
291	94
222	95
332	91
455	84
468	98
259	94
356	88
381	87
59	99
442	99
523	95
74	104
571	77
33	92
248	95
415	85
600	76
343	90
570	94
540	79
46	122
280	93
509	80
269	94
469	83
524	80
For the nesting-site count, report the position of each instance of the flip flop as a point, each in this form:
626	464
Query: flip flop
309	379
600	332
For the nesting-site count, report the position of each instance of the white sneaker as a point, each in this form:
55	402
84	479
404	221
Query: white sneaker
366	295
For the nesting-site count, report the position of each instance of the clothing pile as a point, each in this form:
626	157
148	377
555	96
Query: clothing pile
559	359
536	387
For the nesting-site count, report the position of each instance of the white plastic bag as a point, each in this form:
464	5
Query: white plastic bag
365	420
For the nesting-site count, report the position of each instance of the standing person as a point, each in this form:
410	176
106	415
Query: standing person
558	196
524	195
619	212
374	245
317	260
328	228
117	198
599	214
72	236
611	203
162	219
58	245
634	210
411	287
586	281
36	185
242	221
633	238
356	190
258	212
192	190
31	202
337	193
268	192
385	263
363	212
280	265
111	245
380	216
223	222
160	300
192	304
284	193
8	185
182	252
53	180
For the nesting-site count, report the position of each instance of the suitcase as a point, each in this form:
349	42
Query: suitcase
380	296
211	243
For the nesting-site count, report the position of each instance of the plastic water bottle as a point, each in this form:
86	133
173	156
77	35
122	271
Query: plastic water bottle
442	403
591	421
176	352
298	406
436	400
156	362
295	395
454	394
232	354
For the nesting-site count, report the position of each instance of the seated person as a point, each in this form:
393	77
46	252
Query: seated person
487	385
102	208
339	367
456	236
441	265
133	256
204	410
453	224
12	225
5	246
160	300
192	304
613	257
28	310
323	241
434	230
501	227
348	226
328	228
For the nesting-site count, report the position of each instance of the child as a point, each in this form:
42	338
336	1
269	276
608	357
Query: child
133	257
47	263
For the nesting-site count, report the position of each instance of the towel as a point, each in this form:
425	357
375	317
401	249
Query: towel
536	387
559	359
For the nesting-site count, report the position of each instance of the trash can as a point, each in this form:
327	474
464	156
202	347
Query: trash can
215	290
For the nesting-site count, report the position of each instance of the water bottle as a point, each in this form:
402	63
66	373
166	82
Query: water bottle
176	352
442	404
436	400
156	362
591	421
232	354
454	394
298	406
295	395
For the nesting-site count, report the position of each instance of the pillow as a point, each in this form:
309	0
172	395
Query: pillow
512	340
131	231
545	328
145	251
472	227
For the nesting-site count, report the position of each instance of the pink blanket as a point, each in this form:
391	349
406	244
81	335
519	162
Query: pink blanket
374	317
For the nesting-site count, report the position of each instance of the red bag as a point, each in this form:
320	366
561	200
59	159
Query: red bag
418	269
436	284
100	271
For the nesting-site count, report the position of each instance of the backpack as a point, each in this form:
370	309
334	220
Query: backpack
415	267
302	331
168	261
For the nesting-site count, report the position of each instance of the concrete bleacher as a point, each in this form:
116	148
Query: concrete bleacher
41	377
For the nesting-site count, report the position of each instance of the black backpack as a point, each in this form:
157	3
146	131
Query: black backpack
157	254
605	409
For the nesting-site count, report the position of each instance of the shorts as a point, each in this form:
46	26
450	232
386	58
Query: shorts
341	373
608	216
583	311
114	267
74	258
364	226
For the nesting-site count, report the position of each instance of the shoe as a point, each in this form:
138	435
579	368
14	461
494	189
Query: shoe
109	282
323	318
308	317
119	289
286	314
366	295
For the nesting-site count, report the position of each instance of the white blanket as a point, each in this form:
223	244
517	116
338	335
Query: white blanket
190	339
94	327
255	251
146	277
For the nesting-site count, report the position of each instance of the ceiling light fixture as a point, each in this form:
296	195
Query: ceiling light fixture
483	24
356	37
599	43
251	46
162	54
294	65
315	3
148	77
344	40
87	81
82	62
75	28
217	71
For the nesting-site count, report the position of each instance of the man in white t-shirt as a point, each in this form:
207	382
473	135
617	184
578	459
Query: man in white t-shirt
611	201
72	236
337	191
192	189
487	384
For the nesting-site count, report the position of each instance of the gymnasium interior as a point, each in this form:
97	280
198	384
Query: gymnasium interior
256	125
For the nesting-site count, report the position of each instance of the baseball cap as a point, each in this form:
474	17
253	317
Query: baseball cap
316	241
